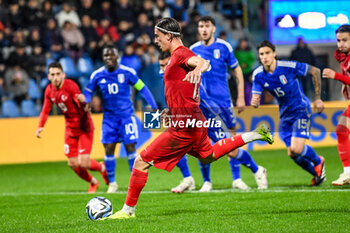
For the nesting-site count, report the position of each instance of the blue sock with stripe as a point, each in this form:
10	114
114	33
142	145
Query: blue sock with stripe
110	163
246	159
131	159
182	164
310	154
205	170
305	164
235	166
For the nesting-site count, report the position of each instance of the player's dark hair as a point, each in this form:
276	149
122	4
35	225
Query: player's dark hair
164	55
266	43
110	46
169	25
343	28
55	64
206	18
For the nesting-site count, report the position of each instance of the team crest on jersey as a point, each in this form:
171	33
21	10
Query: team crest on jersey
64	97
217	53
121	78
283	79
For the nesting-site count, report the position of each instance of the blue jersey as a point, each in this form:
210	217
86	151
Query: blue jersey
284	85
220	55
115	89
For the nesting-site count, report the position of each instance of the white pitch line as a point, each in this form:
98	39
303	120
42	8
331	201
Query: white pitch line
276	190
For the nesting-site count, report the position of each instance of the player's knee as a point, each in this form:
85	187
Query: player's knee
73	164
296	149
208	159
141	165
84	164
233	154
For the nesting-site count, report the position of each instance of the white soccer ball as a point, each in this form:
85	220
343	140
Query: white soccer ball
99	207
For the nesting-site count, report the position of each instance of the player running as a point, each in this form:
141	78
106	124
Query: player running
79	127
181	78
280	78
215	102
342	54
119	121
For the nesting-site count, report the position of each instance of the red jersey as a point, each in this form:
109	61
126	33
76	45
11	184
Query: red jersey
344	61
77	120
179	94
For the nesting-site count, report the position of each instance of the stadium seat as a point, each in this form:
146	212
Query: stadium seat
69	67
33	90
28	108
48	62
83	81
85	66
9	109
43	83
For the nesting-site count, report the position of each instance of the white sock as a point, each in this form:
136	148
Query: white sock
93	180
346	169
251	136
113	183
130	210
103	167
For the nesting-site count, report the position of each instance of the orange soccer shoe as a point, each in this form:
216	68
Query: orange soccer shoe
104	174
93	187
321	174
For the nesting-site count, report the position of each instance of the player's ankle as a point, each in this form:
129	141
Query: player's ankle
130	210
93	181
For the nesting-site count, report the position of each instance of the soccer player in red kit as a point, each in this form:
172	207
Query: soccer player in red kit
79	127
342	54
181	80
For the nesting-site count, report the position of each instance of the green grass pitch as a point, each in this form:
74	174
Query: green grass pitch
49	197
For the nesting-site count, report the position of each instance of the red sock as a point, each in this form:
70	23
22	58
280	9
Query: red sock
343	144
95	166
83	173
226	145
138	180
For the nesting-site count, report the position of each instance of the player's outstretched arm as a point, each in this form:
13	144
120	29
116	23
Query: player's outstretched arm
331	74
146	93
255	102
316	79
80	97
200	66
240	103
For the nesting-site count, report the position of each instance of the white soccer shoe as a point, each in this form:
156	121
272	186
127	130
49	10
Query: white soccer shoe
206	187
112	187
344	178
186	184
239	184
261	178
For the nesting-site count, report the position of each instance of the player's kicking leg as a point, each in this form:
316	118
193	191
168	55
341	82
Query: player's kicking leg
139	175
187	182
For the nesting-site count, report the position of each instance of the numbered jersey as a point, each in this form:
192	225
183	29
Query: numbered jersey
77	120
284	85
220	55
115	89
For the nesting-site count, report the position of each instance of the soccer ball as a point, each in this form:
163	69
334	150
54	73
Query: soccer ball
99	207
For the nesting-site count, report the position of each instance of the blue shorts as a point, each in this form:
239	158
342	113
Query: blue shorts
297	126
119	130
225	115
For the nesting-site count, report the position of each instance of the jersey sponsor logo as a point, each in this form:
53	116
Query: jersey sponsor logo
103	81
266	84
64	97
81	151
121	78
132	137
283	79
217	53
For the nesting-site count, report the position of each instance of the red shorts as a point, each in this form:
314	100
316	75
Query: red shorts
168	149
346	112
78	144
